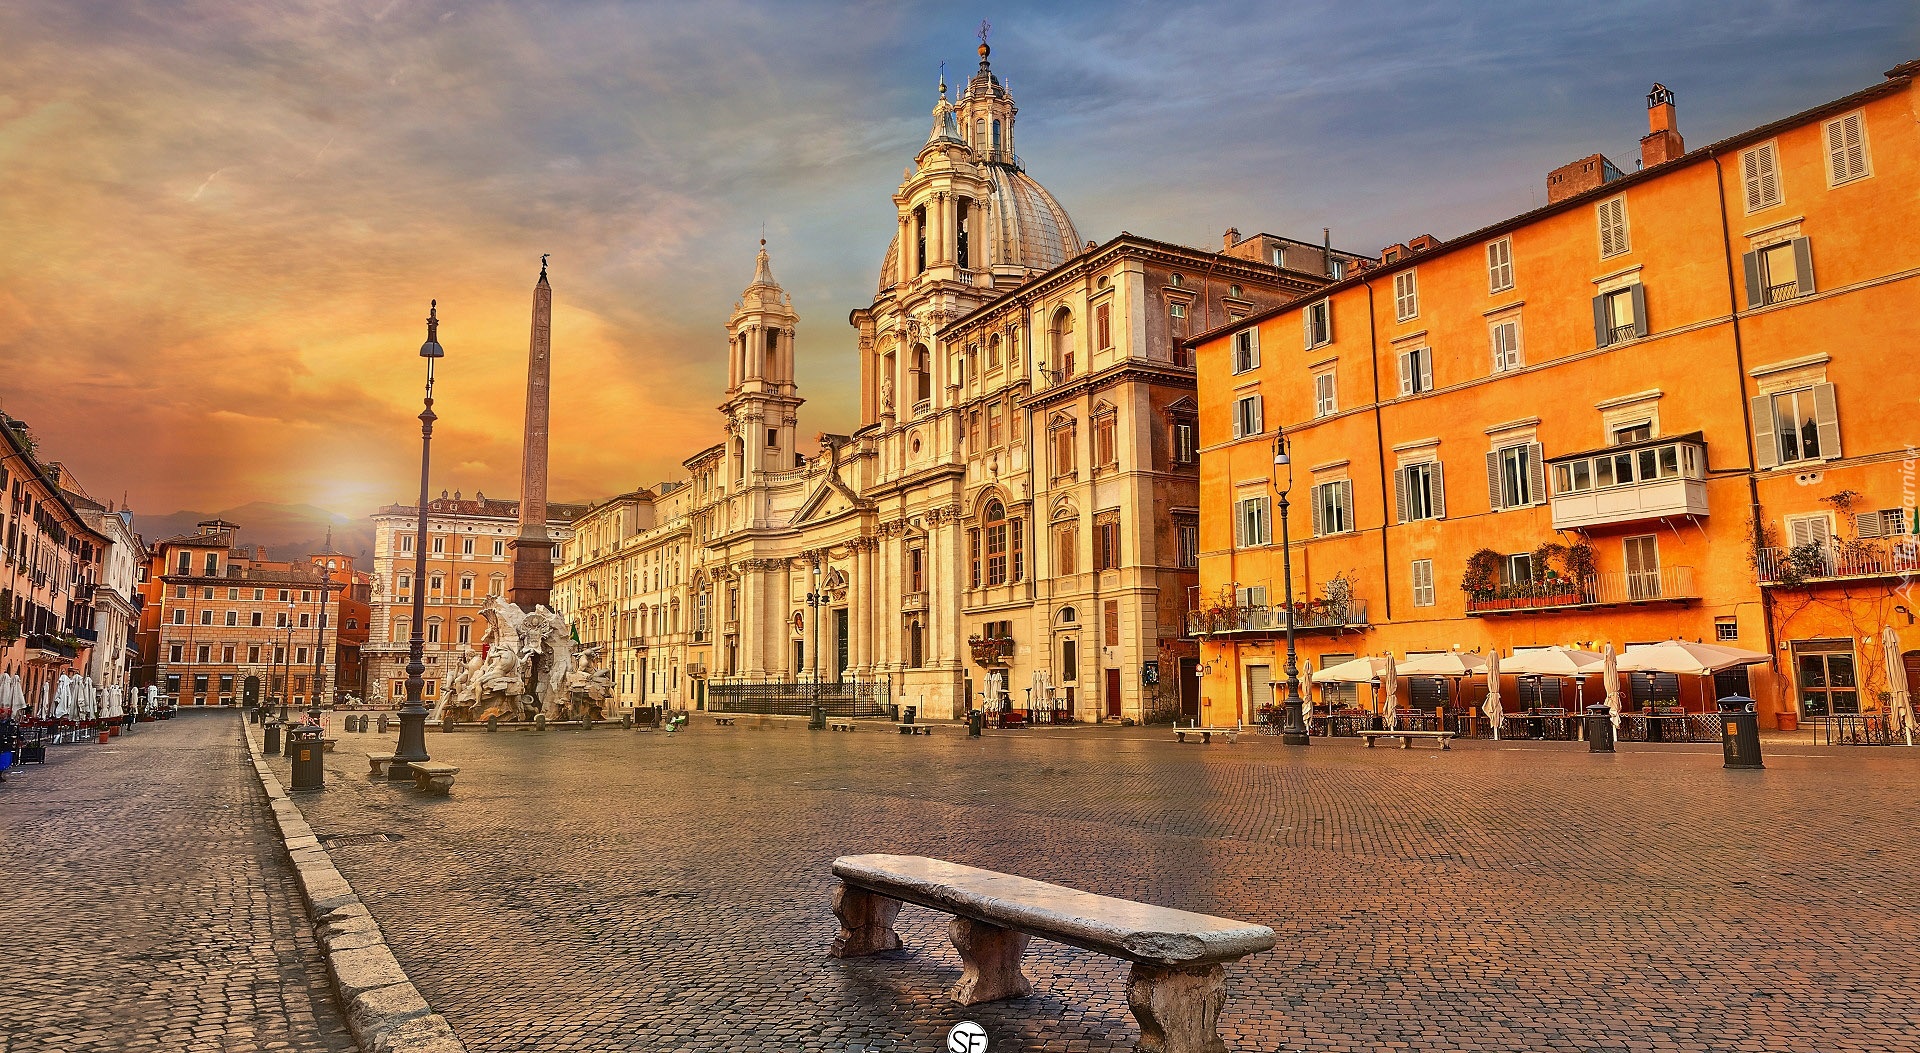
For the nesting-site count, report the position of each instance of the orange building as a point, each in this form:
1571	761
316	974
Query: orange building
1671	403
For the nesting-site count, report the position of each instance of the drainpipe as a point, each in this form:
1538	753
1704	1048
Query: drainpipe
1746	419
1380	453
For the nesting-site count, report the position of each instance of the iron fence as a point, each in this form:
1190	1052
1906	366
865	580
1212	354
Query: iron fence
851	699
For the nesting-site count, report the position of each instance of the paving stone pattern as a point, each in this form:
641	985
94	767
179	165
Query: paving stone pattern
146	903
614	890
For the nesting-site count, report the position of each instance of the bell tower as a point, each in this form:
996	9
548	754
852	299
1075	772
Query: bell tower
762	403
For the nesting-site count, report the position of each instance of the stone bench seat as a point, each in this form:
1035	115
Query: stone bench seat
378	762
1406	737
725	722
433	776
840	725
1178	982
915	729
1205	735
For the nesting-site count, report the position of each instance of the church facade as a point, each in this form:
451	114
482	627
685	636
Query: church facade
1013	525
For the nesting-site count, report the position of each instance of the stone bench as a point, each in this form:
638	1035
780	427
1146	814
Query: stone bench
725	722
1178	982
915	729
326	745
1204	735
433	776
840	725
378	762
1406	737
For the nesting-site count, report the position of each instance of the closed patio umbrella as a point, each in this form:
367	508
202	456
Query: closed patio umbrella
1390	694
1610	672
1902	706
1491	707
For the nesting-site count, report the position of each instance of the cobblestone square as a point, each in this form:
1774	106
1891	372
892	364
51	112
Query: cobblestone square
621	890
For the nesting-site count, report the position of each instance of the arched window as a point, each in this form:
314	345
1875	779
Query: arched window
920	239
963	224
922	375
993	351
996	134
1004	560
773	354
1060	344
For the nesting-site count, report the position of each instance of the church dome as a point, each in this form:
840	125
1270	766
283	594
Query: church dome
1027	226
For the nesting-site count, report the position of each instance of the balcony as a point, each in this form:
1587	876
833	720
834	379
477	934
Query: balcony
913	601
1608	589
50	646
1894	557
991	650
1630	483
1265	619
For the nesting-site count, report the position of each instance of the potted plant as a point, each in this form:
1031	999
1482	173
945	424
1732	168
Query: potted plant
1481	577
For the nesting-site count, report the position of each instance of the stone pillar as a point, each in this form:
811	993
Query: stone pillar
904	264
1178	1009
937	232
777	624
990	956
866	923
749	617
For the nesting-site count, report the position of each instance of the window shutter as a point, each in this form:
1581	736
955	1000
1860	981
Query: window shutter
1766	444
1306	327
1239	414
1845	148
1756	290
1437	492
1426	369
1253	347
1602	332
1319	525
1406	374
1536	473
1240	524
1803	264
1493	480
1326	318
1259	415
1869	524
1345	493
1639	309
1826	417
1400	495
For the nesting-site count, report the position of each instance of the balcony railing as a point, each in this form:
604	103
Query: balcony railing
1272	618
1630	483
1606	589
1779	293
1859	558
52	645
914	601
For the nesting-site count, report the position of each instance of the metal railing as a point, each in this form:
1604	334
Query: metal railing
1620	332
796	698
1268	618
1859	558
1779	293
1609	587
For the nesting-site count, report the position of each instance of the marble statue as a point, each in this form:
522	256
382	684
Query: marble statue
526	666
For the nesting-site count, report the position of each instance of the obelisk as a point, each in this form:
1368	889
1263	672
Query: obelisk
532	548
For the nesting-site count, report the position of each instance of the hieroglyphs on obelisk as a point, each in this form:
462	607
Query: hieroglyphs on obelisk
532	548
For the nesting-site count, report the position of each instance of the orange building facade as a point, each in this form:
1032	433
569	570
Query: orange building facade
1671	403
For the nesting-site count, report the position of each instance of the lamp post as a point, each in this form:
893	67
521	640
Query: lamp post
319	650
286	669
1294	731
412	746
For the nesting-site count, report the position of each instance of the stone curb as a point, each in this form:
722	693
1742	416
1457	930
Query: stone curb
384	1009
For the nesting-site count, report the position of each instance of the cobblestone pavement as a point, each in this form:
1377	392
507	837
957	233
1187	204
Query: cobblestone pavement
622	890
146	904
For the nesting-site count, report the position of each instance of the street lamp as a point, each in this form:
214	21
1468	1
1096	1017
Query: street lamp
1294	731
286	668
319	649
413	716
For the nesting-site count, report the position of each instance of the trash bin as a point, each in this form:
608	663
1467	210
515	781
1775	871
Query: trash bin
286	739
1739	732
383	724
1599	729
253	715
907	714
273	738
976	722
306	744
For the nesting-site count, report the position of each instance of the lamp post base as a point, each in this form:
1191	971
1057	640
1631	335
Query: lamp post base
1294	731
413	741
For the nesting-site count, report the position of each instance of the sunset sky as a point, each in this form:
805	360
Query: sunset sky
220	223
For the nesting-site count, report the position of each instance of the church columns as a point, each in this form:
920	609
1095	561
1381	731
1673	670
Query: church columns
905	256
937	240
777	633
752	609
865	588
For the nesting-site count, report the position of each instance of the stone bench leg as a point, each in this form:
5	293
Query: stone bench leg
1178	1009
866	923
991	956
439	784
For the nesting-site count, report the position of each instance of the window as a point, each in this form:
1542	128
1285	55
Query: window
1063	459
1066	548
433	635
1333	508
435	584
1317	323
1060	338
994	421
1516	476
466	546
1800	425
499	548
1634	432
1779	272
1419	492
1887	522
1186	449
1186	530
1110	622
916	570
1517	569
916	642
1177	279
464	631
1828	681
253	655
406	542
1726	629
1106	539
306	620
301	652
1619	315
1336	269
1326	401
206	617
1612	217
466	585
1847	150
439	544
179	616
1506	345
404	584
1105	453
773	438
1246	350
186	563
213	563
1252	522
206	655
1416	371
285	596
1499	265
1103	324
1760	173
1406	296
174	653
233	617
1642	556
995	526
1247	416
1423	583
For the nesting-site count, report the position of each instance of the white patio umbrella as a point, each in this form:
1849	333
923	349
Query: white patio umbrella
1902	707
1390	694
1491	707
1446	663
1557	660
1684	657
1610	672
153	698
1358	671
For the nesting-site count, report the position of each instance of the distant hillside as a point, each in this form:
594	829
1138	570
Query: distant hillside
287	531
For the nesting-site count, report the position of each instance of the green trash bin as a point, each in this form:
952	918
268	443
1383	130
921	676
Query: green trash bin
307	745
1739	732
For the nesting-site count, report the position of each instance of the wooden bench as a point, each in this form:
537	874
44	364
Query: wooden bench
1178	982
433	776
725	722
378	762
915	729
840	725
1205	735
1406	737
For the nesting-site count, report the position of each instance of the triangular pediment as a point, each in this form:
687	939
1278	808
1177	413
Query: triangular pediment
828	501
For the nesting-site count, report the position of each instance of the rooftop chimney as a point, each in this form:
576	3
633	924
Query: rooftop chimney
1228	239
1662	143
